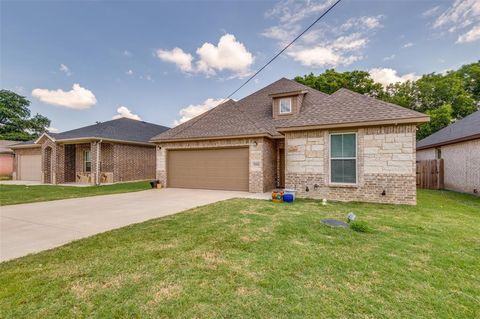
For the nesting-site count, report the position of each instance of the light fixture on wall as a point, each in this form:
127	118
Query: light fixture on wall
384	193
255	143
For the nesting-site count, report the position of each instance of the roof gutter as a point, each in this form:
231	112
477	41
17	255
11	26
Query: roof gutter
414	120
172	140
24	146
87	139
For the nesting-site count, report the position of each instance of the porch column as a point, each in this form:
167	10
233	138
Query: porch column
95	151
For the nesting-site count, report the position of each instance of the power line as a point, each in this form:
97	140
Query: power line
281	51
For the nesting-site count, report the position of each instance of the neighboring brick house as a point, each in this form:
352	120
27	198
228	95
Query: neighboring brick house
459	146
6	158
107	152
343	146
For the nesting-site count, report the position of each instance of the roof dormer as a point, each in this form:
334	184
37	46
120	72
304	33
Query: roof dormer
286	104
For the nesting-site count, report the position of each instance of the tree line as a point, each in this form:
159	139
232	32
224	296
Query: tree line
445	97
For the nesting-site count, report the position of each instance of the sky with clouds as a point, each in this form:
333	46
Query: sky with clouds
166	62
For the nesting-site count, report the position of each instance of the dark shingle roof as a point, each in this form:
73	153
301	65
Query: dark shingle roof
462	129
5	146
123	129
253	114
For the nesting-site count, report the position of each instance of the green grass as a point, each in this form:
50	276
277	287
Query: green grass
19	194
251	258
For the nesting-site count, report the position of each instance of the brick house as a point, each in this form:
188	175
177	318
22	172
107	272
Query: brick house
6	158
107	152
343	146
459	146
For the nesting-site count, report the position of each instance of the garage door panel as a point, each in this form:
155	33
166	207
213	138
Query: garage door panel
225	169
29	167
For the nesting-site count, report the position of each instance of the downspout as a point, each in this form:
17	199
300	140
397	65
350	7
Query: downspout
97	173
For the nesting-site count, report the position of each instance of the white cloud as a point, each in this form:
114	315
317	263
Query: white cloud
431	12
460	12
326	45
292	11
178	56
462	16
341	51
470	36
77	98
408	45
52	130
129	72
389	58
127	53
228	55
65	69
193	110
123	111
387	76
366	22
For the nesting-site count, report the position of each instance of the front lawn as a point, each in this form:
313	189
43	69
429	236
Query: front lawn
19	194
252	258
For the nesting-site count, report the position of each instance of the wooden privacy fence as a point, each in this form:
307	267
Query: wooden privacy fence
430	174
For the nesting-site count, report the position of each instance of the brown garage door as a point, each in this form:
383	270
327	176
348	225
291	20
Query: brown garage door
225	169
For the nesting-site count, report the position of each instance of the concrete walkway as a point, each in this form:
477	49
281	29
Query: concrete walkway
16	182
30	228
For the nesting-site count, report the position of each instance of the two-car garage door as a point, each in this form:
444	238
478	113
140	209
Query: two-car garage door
224	169
29	167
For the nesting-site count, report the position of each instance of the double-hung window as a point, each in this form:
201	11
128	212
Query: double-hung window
285	105
343	158
87	161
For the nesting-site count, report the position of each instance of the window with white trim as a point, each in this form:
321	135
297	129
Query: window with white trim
87	161
343	158
285	105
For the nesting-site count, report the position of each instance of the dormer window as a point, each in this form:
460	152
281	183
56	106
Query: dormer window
285	106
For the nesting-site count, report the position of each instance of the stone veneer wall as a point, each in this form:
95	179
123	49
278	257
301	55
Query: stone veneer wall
385	161
259	181
23	151
133	162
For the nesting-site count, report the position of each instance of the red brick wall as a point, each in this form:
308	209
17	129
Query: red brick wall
106	160
133	162
6	164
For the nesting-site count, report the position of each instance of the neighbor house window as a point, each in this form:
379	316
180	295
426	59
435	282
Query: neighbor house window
343	158
285	105
87	161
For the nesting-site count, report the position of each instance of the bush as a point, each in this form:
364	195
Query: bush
360	226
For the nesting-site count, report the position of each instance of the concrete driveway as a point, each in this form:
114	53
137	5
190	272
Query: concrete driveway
30	228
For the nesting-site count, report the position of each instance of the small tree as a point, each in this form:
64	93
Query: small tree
439	118
15	120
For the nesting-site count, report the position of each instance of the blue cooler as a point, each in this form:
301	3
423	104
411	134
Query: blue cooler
288	198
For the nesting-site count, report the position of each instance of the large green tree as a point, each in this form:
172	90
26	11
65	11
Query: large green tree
16	122
331	80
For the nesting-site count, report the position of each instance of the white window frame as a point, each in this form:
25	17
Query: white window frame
330	159
289	99
85	161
